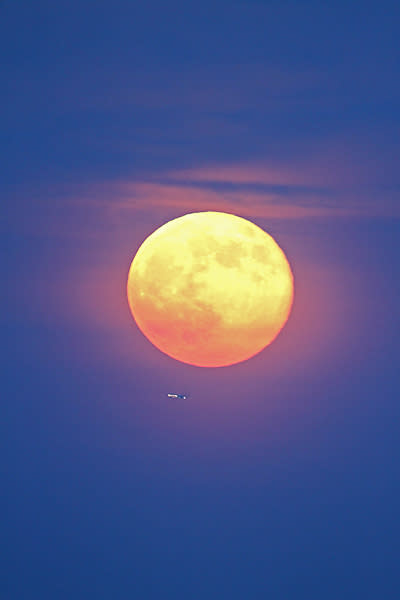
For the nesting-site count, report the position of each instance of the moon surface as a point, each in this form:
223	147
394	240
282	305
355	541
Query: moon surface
210	289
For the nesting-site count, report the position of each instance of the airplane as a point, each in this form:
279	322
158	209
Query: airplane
177	396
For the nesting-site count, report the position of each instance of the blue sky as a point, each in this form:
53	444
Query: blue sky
280	477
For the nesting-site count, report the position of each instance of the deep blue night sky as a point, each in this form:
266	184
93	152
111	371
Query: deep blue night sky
279	477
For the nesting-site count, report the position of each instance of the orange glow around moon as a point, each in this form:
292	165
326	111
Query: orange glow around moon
210	289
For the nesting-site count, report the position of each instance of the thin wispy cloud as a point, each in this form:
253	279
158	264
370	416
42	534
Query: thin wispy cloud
313	188
332	181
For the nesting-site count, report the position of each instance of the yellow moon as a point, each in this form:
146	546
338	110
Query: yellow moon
210	289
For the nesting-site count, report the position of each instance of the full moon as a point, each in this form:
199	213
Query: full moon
210	289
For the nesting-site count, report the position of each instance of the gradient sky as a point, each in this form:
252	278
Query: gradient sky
280	477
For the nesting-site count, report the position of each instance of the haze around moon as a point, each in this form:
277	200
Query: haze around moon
210	289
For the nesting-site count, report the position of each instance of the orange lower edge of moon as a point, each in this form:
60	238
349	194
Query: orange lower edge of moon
210	289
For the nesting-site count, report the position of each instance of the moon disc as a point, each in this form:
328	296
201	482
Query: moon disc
210	289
